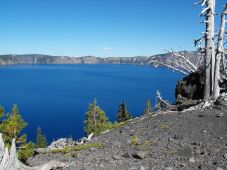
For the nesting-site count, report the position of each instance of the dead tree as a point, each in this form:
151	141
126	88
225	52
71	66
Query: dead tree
220	53
212	55
9	160
182	64
209	50
160	102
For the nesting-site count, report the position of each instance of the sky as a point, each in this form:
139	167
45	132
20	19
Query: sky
103	28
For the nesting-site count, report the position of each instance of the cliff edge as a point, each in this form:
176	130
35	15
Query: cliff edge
165	141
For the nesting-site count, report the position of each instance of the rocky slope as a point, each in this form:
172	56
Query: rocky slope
166	141
46	59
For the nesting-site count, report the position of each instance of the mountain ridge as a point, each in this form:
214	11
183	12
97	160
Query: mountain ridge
11	59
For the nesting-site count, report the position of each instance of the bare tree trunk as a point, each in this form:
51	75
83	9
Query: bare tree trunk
9	160
213	47
224	64
219	54
209	48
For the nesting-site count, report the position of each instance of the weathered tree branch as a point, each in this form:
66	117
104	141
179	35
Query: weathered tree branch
182	63
157	63
205	10
198	42
186	61
201	2
160	103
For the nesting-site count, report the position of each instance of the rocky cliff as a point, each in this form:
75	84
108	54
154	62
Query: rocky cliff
46	59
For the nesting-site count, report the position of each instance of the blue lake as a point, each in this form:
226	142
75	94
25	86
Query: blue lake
56	97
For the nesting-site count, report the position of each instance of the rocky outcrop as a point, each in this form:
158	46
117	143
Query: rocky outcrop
68	142
61	143
190	89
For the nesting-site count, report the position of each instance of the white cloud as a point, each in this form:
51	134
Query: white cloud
107	49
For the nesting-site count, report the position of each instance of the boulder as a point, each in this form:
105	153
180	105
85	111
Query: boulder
140	154
191	87
61	143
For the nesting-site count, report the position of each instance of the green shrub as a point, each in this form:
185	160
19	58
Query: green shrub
134	140
165	126
77	148
26	151
147	144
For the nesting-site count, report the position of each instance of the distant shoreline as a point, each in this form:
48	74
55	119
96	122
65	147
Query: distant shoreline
47	59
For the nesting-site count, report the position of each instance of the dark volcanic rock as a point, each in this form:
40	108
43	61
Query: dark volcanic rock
140	154
185	152
191	87
182	141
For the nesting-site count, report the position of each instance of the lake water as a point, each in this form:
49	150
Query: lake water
56	97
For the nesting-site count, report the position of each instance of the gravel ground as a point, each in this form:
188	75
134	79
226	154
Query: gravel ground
169	141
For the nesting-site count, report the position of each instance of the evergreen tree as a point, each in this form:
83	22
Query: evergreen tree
12	126
123	115
39	138
96	120
1	111
148	108
41	141
45	143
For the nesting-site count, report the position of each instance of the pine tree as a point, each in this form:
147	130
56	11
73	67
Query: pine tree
12	126
96	120
45	143
1	111
39	138
148	108
123	115
41	141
